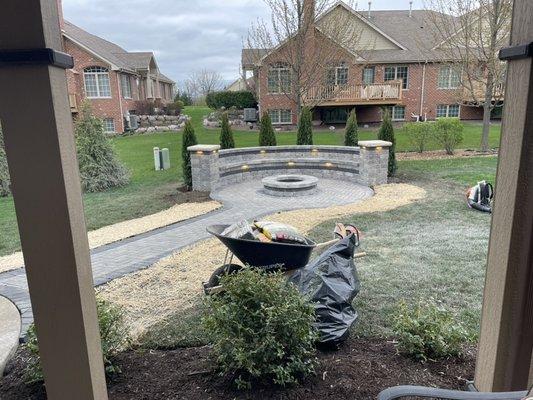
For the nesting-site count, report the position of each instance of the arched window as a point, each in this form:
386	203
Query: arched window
338	75
97	82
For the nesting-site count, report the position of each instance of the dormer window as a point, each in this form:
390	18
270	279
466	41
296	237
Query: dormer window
338	75
97	84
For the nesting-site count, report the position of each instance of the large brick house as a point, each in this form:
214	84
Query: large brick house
114	80
395	73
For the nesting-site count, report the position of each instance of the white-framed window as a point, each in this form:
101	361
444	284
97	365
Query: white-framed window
279	79
397	113
369	75
125	86
337	75
449	77
448	111
280	117
97	83
398	73
109	125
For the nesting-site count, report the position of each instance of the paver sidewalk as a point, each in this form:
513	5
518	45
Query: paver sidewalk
242	201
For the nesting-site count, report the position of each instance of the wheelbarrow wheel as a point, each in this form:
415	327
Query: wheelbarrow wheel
227	269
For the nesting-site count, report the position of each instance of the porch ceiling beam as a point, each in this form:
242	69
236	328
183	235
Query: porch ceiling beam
39	139
506	342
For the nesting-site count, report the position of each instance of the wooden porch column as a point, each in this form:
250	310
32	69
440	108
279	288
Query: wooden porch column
37	125
506	343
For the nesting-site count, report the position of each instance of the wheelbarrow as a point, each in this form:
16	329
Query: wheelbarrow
270	256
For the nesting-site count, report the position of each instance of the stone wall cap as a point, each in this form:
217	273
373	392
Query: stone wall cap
204	147
374	143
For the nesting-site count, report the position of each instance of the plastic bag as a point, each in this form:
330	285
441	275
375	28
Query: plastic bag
331	283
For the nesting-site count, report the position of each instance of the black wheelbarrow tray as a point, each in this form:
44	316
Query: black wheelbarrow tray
268	255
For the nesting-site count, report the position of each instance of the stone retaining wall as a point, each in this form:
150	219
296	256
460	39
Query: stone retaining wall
213	168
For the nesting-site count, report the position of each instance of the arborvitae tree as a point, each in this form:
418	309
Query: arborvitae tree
351	136
226	135
189	139
386	132
100	168
4	172
305	128
267	137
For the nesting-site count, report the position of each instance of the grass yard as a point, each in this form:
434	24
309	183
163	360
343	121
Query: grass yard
433	249
151	191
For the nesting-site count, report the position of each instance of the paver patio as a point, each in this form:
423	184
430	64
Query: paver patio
241	201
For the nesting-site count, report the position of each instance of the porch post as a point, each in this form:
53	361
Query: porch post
506	343
37	125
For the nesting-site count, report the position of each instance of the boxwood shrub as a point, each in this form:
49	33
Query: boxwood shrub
226	99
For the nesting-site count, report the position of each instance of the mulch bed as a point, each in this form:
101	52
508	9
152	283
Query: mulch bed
360	369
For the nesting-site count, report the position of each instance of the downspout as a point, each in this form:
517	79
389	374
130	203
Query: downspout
120	103
422	95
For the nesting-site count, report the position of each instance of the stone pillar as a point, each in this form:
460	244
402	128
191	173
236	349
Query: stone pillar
373	162
204	164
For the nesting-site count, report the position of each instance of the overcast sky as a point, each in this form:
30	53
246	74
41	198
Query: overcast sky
186	35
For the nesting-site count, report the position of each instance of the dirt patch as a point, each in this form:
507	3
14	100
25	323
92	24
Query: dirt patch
189	205
441	154
175	282
360	369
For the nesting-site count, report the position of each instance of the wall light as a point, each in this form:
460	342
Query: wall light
314	151
245	167
263	152
290	164
199	152
328	164
379	148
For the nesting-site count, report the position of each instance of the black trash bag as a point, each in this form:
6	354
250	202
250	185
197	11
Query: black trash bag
331	282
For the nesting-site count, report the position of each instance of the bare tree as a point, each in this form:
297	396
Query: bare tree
470	42
203	82
307	43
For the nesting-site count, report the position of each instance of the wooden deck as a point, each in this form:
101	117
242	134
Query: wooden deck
359	94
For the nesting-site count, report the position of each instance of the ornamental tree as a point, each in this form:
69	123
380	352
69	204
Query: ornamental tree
267	137
189	139
351	136
305	128
226	135
386	133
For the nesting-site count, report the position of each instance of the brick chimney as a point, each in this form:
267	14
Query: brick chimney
60	13
309	12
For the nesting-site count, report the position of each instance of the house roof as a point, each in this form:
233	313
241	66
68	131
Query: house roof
111	53
415	36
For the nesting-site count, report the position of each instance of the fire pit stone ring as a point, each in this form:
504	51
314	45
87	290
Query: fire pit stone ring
290	185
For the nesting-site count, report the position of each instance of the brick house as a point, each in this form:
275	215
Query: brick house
111	78
395	73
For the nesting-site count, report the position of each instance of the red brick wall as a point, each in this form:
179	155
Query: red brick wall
411	97
116	106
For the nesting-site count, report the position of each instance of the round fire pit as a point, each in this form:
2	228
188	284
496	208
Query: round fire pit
290	185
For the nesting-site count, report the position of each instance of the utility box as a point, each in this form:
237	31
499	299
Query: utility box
250	115
161	159
157	159
165	159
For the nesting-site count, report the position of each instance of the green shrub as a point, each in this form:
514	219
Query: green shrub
351	136
174	108
5	182
427	331
267	137
449	133
386	132
241	99
184	97
419	134
100	168
189	139
226	134
262	329
305	128
113	334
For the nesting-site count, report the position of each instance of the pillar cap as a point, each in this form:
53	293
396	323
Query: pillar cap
204	147
374	143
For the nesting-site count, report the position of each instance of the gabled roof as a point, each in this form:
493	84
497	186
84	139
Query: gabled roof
117	57
412	32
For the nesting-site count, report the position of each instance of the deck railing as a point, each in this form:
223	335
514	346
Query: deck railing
358	93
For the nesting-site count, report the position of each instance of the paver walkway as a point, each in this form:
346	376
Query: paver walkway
241	201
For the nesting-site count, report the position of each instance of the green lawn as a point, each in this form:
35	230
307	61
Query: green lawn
151	191
435	248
